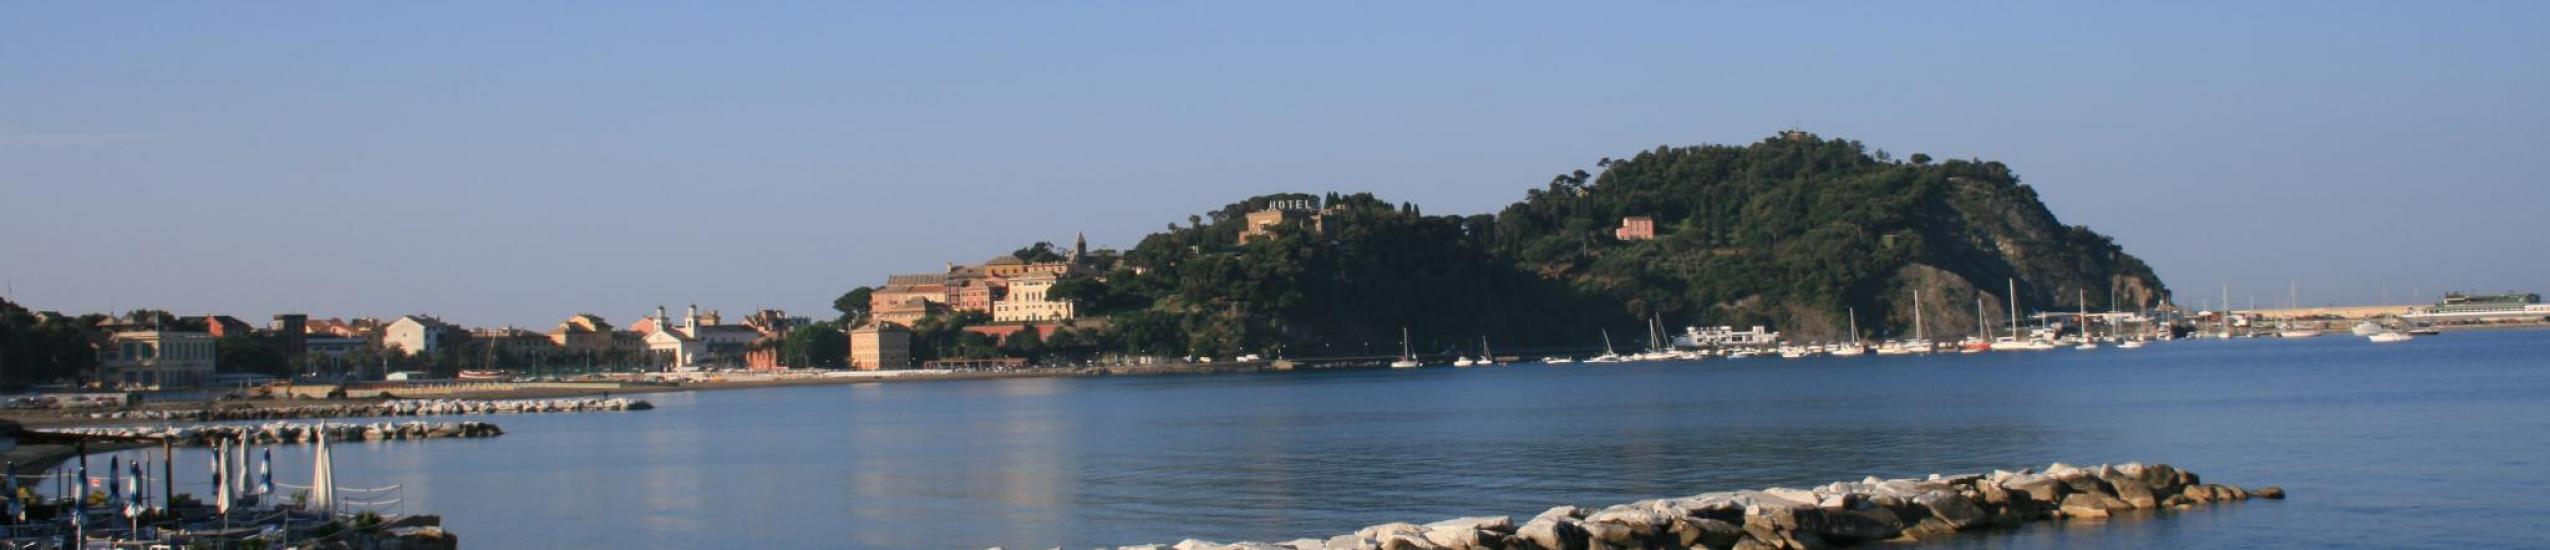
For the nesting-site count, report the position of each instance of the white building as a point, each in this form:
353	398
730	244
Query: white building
1027	303
417	334
157	358
694	343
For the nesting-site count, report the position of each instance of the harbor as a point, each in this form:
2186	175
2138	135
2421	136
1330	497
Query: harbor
126	496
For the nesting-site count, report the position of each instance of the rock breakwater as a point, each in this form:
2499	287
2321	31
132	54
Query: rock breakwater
290	432
1838	514
396	407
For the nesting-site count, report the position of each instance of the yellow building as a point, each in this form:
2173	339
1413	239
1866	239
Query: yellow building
157	359
1027	302
1262	223
880	346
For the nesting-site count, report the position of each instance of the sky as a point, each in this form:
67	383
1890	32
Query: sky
517	162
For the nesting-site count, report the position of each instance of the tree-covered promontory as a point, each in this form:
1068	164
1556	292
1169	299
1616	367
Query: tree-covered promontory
1790	232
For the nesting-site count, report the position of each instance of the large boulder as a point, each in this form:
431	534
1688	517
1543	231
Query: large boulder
2134	492
1697	532
2088	505
1953	509
1552	533
1857	526
2040	489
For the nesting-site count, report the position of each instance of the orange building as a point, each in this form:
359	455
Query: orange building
1635	228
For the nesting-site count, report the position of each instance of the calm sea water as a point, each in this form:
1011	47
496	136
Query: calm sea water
2435	443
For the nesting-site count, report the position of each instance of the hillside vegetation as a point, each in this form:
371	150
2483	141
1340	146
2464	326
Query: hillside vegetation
1791	232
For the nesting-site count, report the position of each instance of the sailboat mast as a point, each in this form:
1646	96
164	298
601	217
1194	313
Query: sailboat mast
2014	309
1982	325
1917	333
1854	312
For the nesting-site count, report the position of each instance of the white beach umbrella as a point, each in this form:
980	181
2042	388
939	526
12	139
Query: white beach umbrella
221	477
323	476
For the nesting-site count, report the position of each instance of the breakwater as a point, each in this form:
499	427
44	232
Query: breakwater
396	407
1871	510
291	432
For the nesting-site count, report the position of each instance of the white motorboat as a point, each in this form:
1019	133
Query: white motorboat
1558	360
1464	361
2130	344
2390	337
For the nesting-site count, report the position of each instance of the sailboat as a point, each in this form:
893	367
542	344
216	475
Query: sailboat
1487	357
1407	356
2087	343
2294	294
1981	341
1608	355
2013	342
1852	349
1920	342
1657	348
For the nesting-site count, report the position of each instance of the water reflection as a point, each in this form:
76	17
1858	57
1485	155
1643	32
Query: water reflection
1102	461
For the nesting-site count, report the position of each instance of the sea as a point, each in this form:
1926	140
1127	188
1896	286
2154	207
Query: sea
2438	442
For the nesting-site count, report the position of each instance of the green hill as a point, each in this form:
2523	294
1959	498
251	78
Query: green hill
1789	233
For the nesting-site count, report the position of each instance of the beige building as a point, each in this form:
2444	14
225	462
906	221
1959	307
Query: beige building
1027	302
880	346
583	333
157	358
1261	224
416	334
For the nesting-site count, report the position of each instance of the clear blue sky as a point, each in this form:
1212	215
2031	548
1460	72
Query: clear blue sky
517	162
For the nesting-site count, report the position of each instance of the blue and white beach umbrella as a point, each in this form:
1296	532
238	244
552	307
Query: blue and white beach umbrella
114	479
265	473
80	498
17	510
133	486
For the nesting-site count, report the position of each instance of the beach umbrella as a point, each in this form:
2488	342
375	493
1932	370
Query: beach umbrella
265	473
239	469
133	484
221	474
17	510
80	497
114	479
322	476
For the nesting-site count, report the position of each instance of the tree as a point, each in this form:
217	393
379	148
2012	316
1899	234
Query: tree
1043	252
252	354
853	305
816	345
1086	293
1921	159
1024	344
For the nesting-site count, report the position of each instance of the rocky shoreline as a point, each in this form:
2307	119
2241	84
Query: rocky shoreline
289	432
1838	514
398	407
